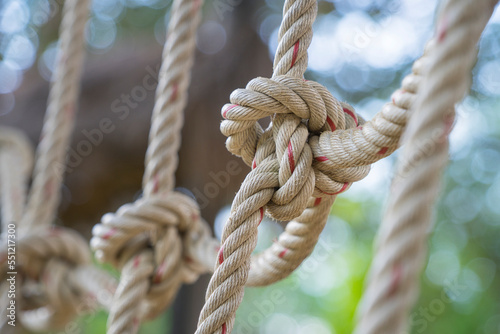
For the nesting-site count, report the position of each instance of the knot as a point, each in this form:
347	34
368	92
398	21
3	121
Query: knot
168	224
302	112
44	261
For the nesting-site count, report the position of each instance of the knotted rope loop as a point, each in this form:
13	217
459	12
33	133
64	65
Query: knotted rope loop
337	155
44	261
167	226
307	110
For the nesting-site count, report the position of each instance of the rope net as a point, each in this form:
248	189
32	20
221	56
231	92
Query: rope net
314	149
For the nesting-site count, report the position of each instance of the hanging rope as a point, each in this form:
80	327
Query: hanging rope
49	295
50	262
59	119
160	241
314	149
15	150
401	244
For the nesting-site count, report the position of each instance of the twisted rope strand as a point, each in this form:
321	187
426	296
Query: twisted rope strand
47	258
226	288
156	241
393	277
44	195
286	157
171	98
15	150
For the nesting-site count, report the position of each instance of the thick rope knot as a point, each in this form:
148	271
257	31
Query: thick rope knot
45	259
302	111
160	234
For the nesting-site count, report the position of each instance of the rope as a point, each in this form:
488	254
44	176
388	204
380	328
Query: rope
171	98
160	241
48	295
59	119
313	150
15	150
48	262
401	244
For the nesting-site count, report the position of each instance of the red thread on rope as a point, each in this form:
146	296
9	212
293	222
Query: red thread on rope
397	273
137	260
295	52
321	159
224	329
442	29
344	187
175	89
221	255
261	214
353	115
109	234
282	253
383	150
156	184
330	123
290	157
135	322
448	125
254	164
317	201
227	109
159	273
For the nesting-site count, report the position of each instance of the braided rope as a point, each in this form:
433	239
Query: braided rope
401	244
160	241
59	119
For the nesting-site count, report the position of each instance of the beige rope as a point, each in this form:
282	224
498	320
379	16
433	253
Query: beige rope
47	294
171	98
314	149
160	241
401	243
48	291
59	119
15	150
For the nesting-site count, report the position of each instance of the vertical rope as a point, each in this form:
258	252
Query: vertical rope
171	98
15	150
401	244
59	119
226	289
147	240
48	256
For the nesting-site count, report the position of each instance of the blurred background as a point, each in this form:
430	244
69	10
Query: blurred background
361	50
